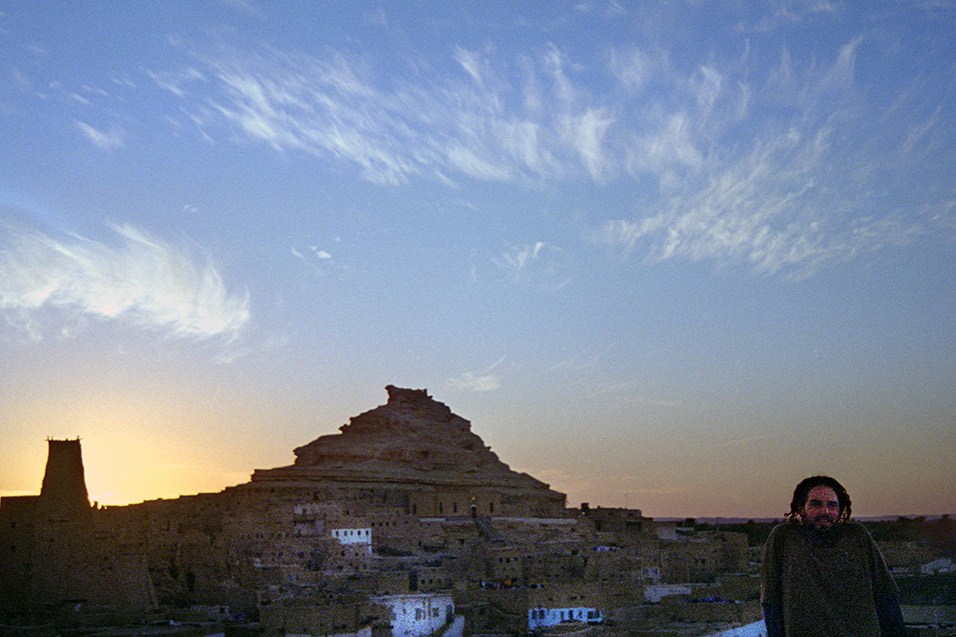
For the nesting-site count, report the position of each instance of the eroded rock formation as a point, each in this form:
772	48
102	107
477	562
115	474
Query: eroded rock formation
412	438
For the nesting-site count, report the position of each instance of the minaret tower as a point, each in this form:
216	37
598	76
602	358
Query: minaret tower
64	495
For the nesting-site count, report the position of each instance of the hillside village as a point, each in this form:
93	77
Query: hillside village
403	523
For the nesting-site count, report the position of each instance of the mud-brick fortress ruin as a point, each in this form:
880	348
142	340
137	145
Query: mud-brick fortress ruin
403	523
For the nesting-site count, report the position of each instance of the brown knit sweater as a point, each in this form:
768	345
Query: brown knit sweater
826	582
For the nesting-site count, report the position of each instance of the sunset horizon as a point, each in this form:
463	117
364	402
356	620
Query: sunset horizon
102	497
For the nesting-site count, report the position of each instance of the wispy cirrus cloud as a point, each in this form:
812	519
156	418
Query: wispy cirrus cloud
733	157
793	201
315	258
103	140
466	125
142	280
176	82
764	209
478	381
539	262
471	382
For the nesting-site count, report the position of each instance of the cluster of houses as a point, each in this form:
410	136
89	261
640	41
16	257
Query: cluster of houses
404	523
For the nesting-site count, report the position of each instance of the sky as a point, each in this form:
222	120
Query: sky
672	256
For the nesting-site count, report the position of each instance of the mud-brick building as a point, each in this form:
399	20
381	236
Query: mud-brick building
405	487
310	616
405	505
522	610
55	548
701	556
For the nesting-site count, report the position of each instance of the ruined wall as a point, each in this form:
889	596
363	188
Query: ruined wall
56	549
17	516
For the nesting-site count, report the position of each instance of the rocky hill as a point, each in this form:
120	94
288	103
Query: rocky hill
412	438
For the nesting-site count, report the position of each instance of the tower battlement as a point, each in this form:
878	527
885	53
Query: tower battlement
64	494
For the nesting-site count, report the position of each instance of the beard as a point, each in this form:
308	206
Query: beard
822	522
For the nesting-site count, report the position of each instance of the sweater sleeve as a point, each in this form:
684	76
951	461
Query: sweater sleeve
770	592
885	595
890	615
771	596
773	619
883	583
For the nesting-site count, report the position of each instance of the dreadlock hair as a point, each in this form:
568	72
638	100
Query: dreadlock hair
806	485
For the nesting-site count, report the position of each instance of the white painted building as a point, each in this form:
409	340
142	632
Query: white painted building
756	629
545	617
418	615
354	536
941	566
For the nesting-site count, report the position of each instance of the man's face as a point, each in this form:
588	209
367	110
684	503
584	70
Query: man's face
822	508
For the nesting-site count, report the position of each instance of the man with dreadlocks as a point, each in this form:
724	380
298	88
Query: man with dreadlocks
824	575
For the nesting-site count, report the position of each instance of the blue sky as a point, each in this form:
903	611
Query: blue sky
671	256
